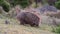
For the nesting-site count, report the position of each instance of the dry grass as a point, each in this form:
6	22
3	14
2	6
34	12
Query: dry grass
15	28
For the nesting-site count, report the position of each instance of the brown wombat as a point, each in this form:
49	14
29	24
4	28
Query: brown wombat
28	18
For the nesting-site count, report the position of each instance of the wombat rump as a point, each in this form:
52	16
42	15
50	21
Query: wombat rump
28	18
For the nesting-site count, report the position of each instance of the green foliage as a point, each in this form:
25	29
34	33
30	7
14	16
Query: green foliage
23	3
56	30
5	5
57	4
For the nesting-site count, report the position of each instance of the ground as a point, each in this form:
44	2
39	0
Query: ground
15	28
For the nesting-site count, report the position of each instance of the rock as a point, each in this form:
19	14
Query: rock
51	21
56	15
7	22
47	8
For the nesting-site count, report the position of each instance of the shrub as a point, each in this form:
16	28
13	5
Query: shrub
57	4
23	3
5	5
56	30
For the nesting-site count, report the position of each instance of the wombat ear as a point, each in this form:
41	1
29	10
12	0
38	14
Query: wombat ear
17	8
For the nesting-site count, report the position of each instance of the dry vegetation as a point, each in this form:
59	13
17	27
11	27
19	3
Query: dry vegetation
14	28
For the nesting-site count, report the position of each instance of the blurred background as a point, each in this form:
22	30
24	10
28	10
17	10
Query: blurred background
48	11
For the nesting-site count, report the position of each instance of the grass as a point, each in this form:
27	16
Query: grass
15	28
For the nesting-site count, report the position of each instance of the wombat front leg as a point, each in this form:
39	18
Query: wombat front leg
22	22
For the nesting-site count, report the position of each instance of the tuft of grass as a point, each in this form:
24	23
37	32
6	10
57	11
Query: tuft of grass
56	30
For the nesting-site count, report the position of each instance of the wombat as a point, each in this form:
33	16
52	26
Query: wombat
28	18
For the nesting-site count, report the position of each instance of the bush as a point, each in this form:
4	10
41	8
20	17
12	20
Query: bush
5	5
57	4
23	3
56	30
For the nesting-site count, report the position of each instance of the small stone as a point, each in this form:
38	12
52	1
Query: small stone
7	22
